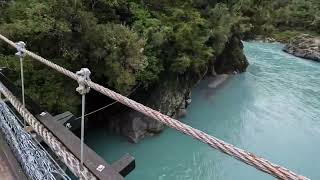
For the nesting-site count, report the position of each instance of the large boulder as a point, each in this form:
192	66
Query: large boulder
304	46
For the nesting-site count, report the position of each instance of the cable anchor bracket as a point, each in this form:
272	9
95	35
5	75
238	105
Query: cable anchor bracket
21	47
83	75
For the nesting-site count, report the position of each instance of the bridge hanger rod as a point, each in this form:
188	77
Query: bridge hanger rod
84	74
237	153
20	46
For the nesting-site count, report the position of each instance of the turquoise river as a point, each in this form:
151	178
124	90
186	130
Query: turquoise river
272	110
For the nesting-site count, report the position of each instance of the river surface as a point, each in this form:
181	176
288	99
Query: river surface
272	110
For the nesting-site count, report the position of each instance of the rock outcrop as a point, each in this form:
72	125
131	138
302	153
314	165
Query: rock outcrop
173	94
231	60
170	97
304	46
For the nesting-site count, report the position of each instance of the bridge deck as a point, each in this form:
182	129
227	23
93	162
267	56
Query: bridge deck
9	166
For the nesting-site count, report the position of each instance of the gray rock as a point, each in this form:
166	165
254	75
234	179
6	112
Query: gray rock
182	113
304	46
170	98
188	101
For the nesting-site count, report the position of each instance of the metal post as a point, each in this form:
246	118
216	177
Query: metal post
22	81
82	126
84	74
21	46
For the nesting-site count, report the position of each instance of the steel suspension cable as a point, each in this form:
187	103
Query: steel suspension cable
239	154
106	106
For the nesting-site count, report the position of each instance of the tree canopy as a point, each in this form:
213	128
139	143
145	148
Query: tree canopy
129	42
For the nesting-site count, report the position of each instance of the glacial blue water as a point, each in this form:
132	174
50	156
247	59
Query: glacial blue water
272	110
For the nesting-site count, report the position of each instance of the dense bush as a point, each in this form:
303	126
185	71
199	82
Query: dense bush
130	42
275	16
123	42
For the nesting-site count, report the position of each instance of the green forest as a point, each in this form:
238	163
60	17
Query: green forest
129	43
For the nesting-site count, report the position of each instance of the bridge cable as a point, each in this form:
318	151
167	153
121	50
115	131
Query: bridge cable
106	106
237	153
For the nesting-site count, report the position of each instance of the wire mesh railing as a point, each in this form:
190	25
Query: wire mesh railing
36	162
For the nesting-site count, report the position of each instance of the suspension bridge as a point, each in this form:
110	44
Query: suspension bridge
38	162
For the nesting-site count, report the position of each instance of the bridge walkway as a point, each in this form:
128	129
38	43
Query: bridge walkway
10	169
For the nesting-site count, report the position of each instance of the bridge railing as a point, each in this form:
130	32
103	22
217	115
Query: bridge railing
237	153
57	147
34	159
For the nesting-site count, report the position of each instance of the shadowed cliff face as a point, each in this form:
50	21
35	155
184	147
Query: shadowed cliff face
232	59
170	97
173	95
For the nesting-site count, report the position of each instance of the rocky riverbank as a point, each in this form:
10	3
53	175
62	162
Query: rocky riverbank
304	46
173	95
265	39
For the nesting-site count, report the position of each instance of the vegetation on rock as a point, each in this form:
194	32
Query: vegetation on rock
281	19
